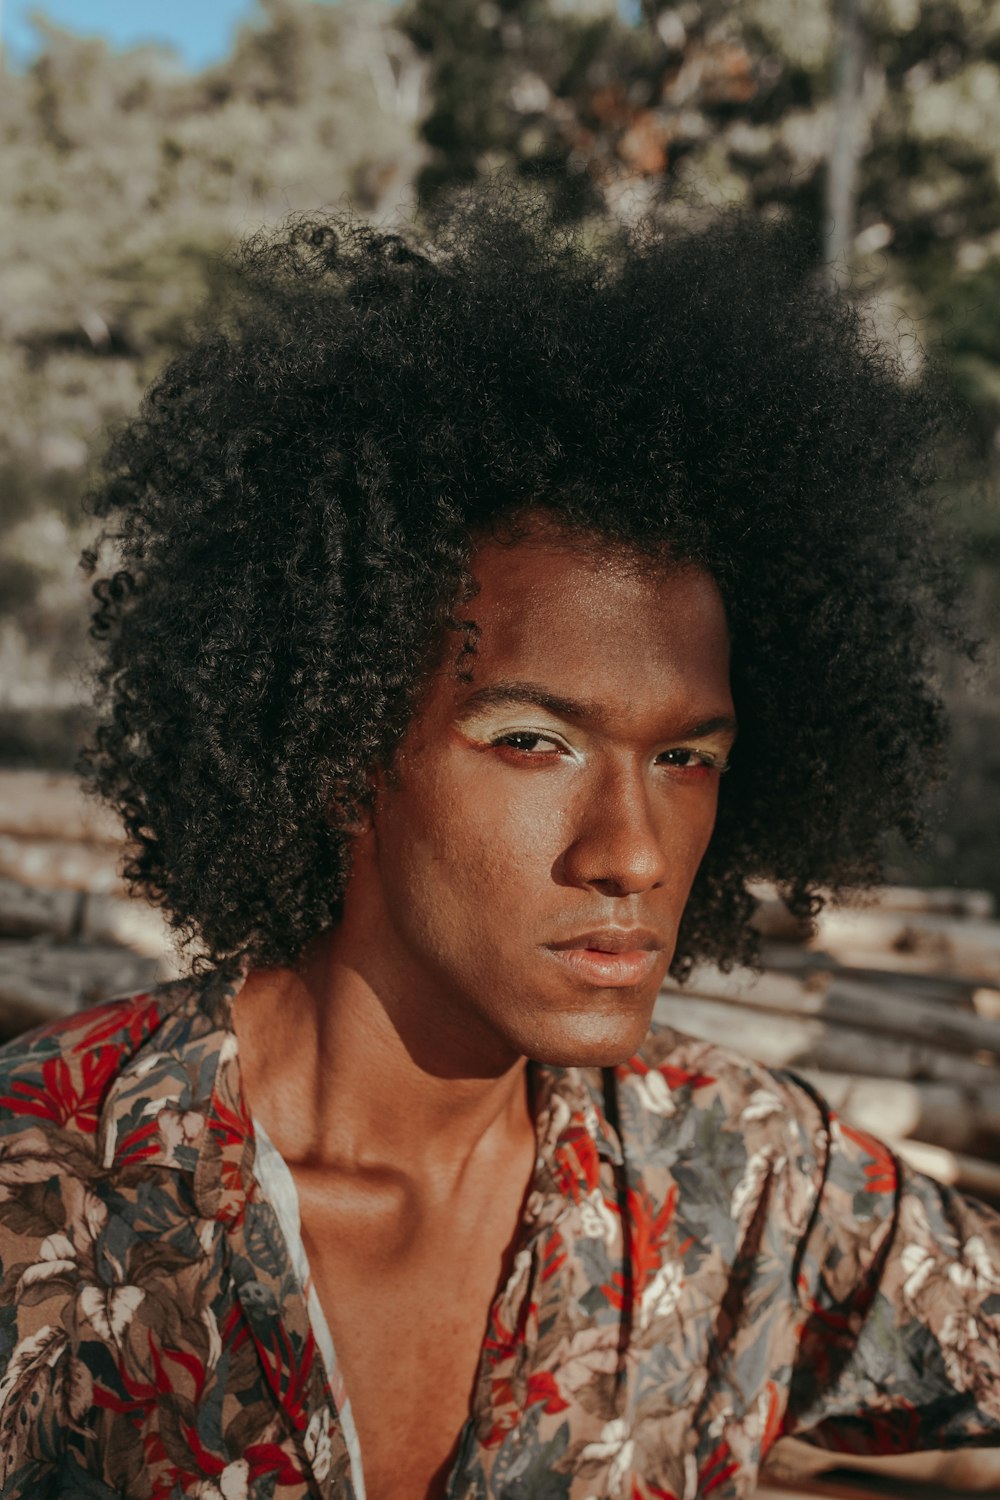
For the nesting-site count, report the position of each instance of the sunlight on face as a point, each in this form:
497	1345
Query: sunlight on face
529	860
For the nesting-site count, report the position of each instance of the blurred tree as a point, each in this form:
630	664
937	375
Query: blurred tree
676	106
123	179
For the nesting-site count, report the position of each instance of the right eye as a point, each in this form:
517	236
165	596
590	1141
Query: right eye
527	742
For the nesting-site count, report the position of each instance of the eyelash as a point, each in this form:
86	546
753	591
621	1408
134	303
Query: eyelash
705	760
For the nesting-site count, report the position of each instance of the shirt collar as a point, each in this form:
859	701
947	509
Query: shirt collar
570	1100
178	1103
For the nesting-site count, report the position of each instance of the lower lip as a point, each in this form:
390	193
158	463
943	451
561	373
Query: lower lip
609	970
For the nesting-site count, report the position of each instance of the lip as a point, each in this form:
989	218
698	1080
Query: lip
611	940
611	957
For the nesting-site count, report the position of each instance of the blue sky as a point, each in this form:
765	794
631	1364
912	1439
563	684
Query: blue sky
199	30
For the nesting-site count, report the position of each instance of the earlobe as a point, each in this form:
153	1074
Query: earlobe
357	825
345	814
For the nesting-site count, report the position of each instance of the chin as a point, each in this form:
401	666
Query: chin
596	1039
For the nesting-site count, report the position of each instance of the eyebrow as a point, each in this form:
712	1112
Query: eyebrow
508	694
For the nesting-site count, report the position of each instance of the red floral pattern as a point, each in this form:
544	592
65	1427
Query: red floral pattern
727	1264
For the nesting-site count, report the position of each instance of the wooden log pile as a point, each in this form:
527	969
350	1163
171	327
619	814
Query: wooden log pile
69	936
890	1008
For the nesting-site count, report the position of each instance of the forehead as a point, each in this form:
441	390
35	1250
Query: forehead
599	617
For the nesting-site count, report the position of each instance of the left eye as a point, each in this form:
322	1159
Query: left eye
687	759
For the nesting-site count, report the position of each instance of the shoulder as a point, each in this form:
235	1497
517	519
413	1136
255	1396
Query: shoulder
54	1079
55	1083
726	1129
673	1073
63	1237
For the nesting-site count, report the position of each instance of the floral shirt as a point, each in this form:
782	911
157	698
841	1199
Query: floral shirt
707	1260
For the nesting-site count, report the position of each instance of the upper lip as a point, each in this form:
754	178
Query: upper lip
612	939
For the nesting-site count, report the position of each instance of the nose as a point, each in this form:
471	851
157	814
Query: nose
618	847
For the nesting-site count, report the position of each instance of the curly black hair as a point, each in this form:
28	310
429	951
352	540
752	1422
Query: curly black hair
296	504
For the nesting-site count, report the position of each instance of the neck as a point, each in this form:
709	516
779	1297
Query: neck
342	1070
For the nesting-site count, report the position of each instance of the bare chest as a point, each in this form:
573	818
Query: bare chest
408	1313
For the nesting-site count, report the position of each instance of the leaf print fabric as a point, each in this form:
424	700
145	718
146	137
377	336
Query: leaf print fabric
708	1259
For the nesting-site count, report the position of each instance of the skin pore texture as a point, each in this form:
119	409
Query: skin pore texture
515	895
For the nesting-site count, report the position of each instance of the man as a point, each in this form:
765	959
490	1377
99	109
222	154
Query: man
487	616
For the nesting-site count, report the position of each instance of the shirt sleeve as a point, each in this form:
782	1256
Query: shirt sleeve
899	1283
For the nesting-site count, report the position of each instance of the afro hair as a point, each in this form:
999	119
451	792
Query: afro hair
295	506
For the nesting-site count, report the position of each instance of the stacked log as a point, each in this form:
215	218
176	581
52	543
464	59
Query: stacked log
890	1008
69	935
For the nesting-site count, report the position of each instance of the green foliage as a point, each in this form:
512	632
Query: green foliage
123	178
123	181
710	102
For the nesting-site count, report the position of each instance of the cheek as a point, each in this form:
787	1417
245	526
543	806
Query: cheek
703	818
693	832
487	829
683	823
466	844
525	818
466	881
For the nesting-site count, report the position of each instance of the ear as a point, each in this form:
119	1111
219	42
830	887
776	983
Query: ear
346	814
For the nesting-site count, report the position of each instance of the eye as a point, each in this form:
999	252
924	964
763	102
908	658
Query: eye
526	742
691	760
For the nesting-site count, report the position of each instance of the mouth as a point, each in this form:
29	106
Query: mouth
610	957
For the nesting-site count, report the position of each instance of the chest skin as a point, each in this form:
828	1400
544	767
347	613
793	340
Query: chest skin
406	1284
